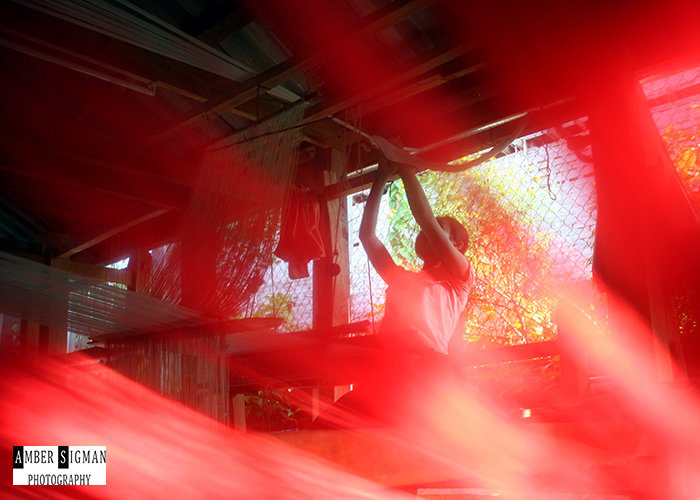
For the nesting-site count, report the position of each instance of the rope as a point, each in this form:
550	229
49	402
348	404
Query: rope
399	155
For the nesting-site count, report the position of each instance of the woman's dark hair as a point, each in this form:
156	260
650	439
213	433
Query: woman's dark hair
457	231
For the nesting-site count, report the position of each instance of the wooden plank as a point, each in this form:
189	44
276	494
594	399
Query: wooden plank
112	54
199	326
251	324
509	353
136	188
141	267
139	64
238	408
99	235
99	273
420	65
236	20
395	458
376	22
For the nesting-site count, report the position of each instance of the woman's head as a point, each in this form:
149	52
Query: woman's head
458	233
455	231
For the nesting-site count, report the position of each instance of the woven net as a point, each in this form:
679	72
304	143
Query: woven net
225	242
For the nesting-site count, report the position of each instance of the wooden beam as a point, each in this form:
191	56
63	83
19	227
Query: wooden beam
135	187
415	68
424	83
471	143
331	285
376	22
152	234
135	63
325	134
100	234
99	273
141	268
236	20
110	53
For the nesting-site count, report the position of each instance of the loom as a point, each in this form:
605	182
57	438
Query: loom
179	134
172	341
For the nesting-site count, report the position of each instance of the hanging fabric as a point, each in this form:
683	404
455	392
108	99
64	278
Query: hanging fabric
300	238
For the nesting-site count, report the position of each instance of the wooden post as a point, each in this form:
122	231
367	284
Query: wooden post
238	406
321	398
647	236
53	340
573	362
331	281
141	266
331	274
664	324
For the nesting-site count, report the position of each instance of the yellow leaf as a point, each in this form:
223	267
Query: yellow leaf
687	159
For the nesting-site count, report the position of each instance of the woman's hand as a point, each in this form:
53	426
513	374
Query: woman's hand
386	167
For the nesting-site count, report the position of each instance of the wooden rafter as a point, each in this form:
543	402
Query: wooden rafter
135	63
100	234
418	69
236	20
472	142
115	55
99	273
376	22
136	188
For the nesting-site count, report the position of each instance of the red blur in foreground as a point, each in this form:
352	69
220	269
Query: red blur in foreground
155	449
639	440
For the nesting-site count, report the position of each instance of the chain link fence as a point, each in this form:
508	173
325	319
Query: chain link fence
531	214
675	105
282	297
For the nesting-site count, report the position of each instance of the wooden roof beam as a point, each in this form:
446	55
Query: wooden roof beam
110	53
100	234
419	69
472	142
236	20
132	62
135	188
376	22
99	273
324	134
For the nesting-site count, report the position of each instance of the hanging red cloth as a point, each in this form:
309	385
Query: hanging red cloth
300	238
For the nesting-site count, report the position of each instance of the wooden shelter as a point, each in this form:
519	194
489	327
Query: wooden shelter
110	107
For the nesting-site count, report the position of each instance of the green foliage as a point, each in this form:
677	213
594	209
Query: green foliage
278	305
402	228
270	411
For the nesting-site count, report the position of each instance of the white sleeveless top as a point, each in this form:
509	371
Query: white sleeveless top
423	309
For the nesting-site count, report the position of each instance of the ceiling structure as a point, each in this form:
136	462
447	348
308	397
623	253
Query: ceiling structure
107	106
